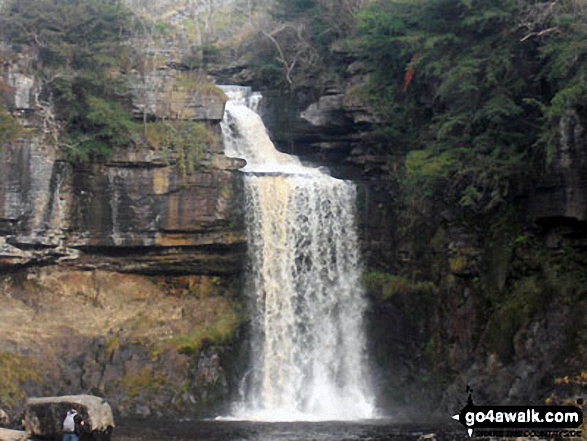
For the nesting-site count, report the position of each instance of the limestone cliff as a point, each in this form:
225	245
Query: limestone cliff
138	205
120	277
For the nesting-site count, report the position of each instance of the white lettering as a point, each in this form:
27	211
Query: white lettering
536	417
510	417
470	418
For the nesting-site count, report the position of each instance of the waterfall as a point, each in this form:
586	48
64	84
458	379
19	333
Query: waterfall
308	343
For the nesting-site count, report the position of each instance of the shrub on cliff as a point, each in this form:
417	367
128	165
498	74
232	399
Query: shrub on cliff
10	128
77	46
451	77
15	373
68	34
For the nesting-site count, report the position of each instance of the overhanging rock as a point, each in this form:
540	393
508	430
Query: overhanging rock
44	416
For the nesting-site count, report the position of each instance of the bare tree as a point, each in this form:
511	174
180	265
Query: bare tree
209	22
250	10
293	46
538	18
341	14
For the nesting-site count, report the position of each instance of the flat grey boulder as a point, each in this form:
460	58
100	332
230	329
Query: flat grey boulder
12	435
44	416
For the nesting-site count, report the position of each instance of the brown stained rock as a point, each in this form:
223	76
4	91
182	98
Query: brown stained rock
52	212
44	416
97	215
29	192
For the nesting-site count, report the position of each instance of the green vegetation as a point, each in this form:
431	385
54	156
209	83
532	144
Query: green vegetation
537	281
294	8
385	285
468	93
81	49
193	83
75	34
10	127
112	345
526	298
77	46
294	49
145	380
15	373
219	332
186	139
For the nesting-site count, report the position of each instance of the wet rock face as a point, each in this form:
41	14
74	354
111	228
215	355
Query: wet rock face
29	192
139	215
139	212
562	192
426	359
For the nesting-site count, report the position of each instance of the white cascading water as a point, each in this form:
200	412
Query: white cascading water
308	343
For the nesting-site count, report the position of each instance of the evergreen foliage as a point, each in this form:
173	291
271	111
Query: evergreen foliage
77	45
453	81
473	90
81	48
294	9
76	34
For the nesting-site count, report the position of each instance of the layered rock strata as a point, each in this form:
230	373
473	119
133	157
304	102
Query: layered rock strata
138	212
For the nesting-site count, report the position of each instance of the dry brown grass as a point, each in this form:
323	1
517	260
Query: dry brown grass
54	304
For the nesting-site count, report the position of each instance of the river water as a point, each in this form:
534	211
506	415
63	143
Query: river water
210	430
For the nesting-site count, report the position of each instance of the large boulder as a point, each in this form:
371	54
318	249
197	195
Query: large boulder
12	435
44	416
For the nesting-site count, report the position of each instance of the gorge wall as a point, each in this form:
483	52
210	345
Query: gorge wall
121	277
496	302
